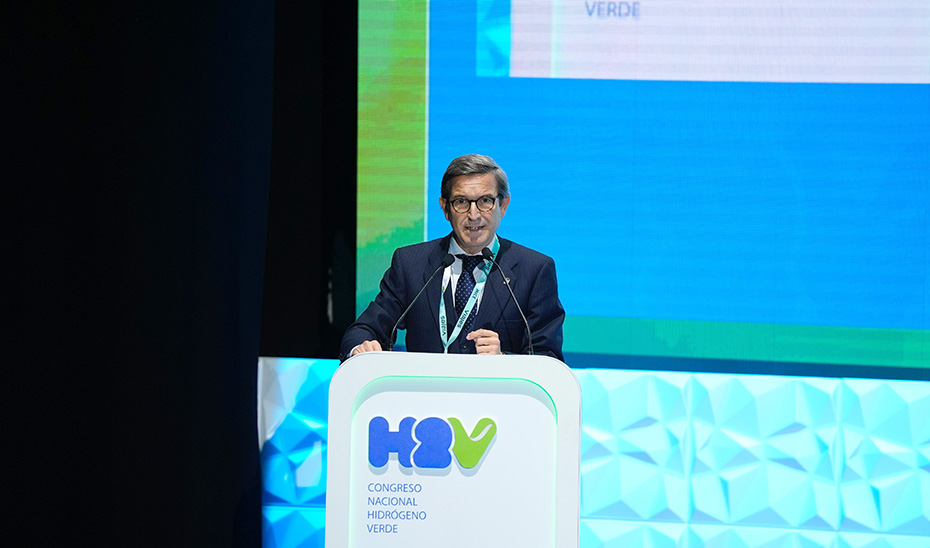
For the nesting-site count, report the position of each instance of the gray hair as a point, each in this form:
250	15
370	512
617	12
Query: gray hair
474	164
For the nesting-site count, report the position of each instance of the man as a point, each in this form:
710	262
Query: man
474	197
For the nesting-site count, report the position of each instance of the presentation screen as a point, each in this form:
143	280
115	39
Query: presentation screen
724	185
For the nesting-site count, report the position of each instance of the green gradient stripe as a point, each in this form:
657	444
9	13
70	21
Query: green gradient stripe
747	341
392	73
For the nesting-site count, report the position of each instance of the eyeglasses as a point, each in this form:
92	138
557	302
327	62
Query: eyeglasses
484	204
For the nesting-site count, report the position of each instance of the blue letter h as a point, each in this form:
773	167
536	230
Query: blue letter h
382	442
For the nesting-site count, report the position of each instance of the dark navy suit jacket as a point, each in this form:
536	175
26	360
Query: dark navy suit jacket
532	278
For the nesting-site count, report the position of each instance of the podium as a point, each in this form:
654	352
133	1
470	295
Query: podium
453	450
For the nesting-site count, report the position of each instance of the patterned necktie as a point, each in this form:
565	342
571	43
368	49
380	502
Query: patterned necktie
465	286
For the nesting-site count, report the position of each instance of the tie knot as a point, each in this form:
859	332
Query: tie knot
469	262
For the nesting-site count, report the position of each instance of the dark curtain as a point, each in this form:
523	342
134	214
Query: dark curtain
153	151
138	139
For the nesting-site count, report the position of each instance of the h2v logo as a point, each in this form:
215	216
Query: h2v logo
427	443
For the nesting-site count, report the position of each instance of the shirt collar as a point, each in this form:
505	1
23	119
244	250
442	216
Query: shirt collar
455	249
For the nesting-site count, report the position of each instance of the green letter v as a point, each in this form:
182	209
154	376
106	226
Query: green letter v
467	449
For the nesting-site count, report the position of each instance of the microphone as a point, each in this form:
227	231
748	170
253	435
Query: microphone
486	253
446	261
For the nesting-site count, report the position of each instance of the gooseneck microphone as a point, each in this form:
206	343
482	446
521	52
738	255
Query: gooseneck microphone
486	253
446	262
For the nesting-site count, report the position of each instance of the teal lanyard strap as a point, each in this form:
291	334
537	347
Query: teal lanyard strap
469	304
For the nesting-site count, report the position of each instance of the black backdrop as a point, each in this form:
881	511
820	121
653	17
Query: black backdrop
146	147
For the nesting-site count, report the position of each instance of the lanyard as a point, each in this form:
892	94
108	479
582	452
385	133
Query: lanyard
469	304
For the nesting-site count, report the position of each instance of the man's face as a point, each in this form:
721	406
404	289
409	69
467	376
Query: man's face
474	230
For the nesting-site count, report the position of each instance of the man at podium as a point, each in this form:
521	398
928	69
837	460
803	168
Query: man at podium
452	294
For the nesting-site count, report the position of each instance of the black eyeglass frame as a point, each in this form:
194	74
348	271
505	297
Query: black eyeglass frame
475	201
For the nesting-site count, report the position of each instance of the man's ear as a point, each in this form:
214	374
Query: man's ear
504	203
445	207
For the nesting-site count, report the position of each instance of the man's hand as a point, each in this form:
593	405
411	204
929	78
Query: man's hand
486	341
367	346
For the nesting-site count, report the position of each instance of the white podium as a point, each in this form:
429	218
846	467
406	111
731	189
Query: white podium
453	450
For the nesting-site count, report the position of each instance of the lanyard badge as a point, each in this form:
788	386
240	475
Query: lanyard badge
469	304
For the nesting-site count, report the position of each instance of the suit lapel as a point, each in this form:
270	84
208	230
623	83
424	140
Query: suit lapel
435	286
496	297
493	301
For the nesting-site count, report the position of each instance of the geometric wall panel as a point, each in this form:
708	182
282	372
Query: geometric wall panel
736	459
293	526
675	459
634	432
762	451
293	416
885	485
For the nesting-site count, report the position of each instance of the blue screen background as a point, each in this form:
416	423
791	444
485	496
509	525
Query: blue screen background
776	203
